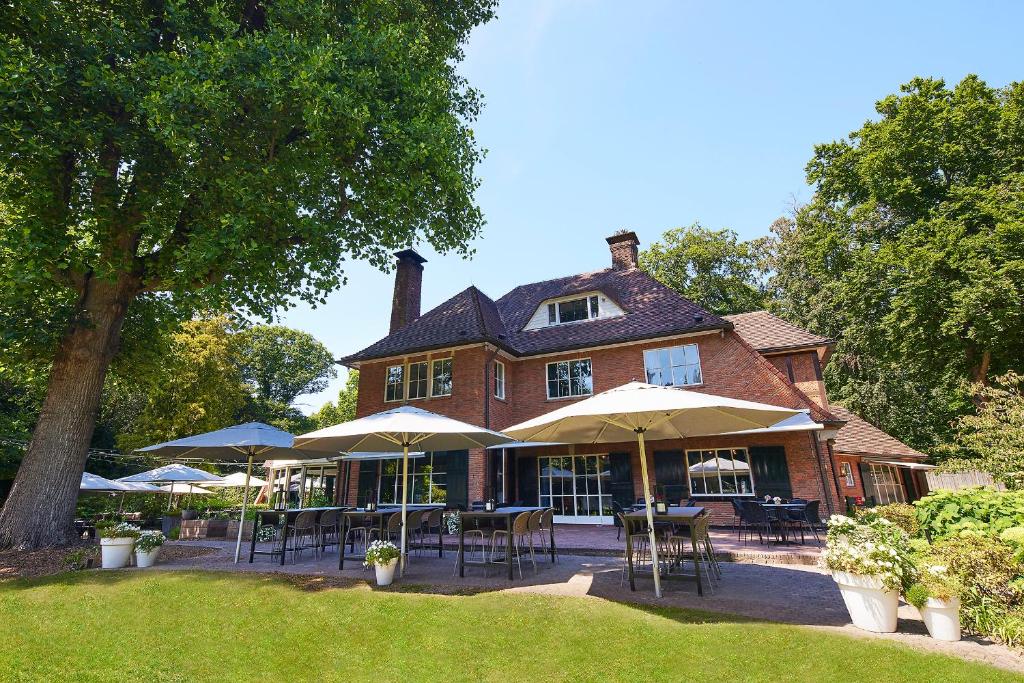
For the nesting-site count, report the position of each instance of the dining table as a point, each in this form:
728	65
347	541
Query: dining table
379	517
681	515
781	507
284	520
505	515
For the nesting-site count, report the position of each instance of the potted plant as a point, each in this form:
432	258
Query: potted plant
147	548
116	543
936	595
383	557
869	562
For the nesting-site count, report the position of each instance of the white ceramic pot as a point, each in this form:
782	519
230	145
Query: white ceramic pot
146	559
942	617
871	606
116	552
386	572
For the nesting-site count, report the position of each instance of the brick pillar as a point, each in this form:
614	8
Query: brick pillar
624	246
405	304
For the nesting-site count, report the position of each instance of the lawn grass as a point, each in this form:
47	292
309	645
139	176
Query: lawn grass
189	626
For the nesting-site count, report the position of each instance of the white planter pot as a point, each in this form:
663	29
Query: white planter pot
942	618
116	552
871	606
385	572
146	559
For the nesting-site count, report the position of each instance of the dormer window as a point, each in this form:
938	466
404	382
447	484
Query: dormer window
573	310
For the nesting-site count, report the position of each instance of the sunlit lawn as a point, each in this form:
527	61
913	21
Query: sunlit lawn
177	626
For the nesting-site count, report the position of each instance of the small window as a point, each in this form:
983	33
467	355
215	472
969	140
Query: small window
552	315
574	310
441	374
499	379
395	383
720	472
846	472
570	378
418	380
675	366
593	307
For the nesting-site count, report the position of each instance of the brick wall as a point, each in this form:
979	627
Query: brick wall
806	372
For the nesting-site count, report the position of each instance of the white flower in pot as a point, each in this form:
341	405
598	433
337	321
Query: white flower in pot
116	544
936	597
383	557
147	548
870	564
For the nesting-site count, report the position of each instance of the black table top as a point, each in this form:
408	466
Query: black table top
674	512
502	512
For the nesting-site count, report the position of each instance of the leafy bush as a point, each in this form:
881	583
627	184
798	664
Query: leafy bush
933	581
79	559
380	553
902	515
149	540
175	533
118	530
992	579
974	510
869	547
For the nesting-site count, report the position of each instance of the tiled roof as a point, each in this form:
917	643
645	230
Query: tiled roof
859	437
766	332
651	310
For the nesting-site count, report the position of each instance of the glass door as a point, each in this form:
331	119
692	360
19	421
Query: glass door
578	487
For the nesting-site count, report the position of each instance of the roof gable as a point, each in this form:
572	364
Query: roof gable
766	332
860	437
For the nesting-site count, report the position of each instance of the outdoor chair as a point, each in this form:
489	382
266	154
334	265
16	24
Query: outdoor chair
303	535
617	512
534	526
356	531
414	530
547	522
393	530
515	539
327	529
474	542
640	539
431	527
737	513
755	518
811	519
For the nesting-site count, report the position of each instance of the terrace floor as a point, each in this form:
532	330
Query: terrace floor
783	585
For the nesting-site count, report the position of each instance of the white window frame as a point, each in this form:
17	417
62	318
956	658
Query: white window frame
589	298
846	472
569	362
451	374
891	489
602	495
499	380
700	368
409	380
428	477
400	384
719	453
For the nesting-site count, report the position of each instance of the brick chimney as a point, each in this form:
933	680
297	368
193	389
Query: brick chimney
624	246
405	305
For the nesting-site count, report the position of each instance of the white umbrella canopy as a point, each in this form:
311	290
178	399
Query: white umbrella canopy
237	480
139	487
638	411
182	487
175	472
404	427
96	483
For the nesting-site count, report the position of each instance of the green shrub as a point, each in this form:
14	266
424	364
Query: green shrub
902	515
992	579
971	511
175	533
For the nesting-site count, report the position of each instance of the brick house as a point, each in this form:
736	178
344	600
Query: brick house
499	362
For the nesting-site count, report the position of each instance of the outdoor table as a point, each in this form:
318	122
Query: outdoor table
380	517
274	517
784	506
507	514
675	515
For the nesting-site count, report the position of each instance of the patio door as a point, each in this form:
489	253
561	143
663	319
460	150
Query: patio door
578	487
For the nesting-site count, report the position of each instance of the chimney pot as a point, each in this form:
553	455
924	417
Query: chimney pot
405	305
624	246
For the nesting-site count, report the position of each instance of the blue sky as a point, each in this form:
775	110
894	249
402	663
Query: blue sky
602	115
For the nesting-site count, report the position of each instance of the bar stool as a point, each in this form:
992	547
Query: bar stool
303	536
475	540
414	530
515	538
640	539
355	531
327	530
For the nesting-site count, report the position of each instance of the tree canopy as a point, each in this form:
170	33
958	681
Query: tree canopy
710	267
344	410
281	363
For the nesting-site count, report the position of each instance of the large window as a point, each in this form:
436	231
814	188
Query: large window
675	366
499	379
418	380
887	484
720	472
570	378
576	486
428	480
441	374
573	310
394	389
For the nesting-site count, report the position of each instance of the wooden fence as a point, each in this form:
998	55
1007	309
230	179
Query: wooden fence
959	480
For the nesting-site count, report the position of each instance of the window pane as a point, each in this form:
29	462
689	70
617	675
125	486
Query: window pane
442	380
652	367
695	376
680	377
690	352
551	314
418	380
394	390
571	311
678	355
593	307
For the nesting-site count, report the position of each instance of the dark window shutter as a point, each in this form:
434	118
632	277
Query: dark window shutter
622	479
868	482
526	478
771	471
457	479
670	475
367	482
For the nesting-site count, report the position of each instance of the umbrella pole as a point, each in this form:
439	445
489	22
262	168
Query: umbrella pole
245	499
650	512
405	497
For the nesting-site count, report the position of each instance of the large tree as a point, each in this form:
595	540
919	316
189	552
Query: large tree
281	363
912	252
213	154
344	410
710	267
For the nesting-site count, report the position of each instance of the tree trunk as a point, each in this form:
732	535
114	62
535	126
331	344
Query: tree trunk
40	509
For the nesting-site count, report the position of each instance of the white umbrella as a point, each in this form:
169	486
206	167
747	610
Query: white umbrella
173	473
96	483
236	480
636	410
185	488
240	443
139	487
404	427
